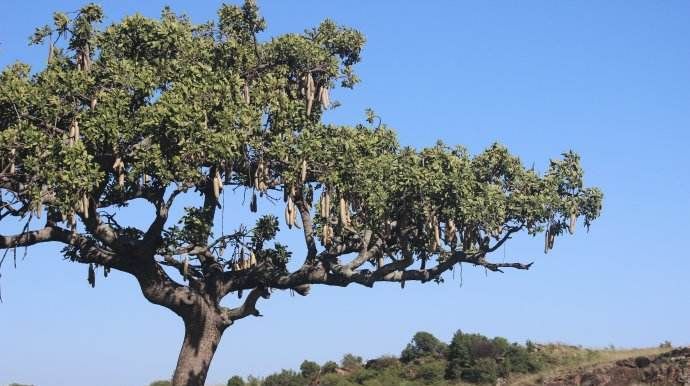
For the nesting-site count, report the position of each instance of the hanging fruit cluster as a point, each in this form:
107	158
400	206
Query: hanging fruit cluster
119	169
324	212
290	207
8	164
311	93
260	181
451	235
244	262
217	185
550	236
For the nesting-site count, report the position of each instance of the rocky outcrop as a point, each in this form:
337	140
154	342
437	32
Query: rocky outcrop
670	368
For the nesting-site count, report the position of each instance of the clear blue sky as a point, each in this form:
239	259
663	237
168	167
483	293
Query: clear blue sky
610	80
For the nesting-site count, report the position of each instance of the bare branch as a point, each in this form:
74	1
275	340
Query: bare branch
248	307
393	272
496	267
505	238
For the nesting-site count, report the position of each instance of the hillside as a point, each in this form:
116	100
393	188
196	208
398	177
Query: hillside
473	359
641	367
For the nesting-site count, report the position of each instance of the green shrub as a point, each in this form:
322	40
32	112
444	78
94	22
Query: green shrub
236	381
362	375
351	362
329	367
383	362
332	379
520	360
284	378
461	354
423	344
430	372
309	369
485	370
476	358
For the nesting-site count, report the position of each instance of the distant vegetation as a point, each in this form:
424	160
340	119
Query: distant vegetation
426	360
469	359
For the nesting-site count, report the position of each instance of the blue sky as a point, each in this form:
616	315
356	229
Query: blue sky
610	80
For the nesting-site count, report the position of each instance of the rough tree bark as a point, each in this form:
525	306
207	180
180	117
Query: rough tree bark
205	320
202	335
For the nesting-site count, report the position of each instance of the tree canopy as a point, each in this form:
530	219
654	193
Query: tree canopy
155	109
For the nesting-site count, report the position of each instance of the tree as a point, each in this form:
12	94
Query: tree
309	370
165	111
351	362
423	344
236	380
284	378
464	351
329	367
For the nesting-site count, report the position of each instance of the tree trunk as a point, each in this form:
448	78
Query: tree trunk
202	335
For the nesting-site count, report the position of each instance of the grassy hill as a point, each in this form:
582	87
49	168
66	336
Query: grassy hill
473	359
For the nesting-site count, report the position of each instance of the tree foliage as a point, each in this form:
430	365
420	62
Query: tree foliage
284	378
156	109
309	370
476	358
423	344
236	380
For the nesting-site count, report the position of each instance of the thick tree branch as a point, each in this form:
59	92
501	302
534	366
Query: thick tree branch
100	230
47	234
87	251
248	307
162	211
159	288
